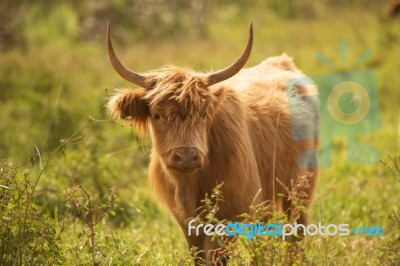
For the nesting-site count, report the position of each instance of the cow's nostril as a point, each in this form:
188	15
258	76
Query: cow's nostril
191	156
177	157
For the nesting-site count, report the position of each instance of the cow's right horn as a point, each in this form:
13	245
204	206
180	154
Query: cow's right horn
123	71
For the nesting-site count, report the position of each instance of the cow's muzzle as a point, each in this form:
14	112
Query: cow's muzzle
185	159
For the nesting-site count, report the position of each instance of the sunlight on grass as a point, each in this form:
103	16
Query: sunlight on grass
54	82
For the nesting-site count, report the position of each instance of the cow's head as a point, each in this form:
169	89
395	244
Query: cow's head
177	105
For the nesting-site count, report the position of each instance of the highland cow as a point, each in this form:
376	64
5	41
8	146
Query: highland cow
232	127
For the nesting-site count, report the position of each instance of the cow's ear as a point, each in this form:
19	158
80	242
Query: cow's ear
130	106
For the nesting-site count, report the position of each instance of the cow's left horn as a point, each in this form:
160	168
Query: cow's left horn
123	71
235	67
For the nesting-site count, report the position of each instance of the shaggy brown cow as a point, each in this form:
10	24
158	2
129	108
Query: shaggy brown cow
225	127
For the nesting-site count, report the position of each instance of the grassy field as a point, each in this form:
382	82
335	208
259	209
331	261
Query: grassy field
73	184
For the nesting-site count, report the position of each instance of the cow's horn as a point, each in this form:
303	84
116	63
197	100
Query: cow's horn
235	67
123	71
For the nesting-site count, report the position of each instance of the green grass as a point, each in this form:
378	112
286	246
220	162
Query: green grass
50	89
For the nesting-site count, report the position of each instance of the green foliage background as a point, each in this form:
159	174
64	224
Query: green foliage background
54	80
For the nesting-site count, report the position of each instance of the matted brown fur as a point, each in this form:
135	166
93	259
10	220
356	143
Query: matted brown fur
241	127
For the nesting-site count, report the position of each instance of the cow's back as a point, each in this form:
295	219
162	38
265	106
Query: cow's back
283	138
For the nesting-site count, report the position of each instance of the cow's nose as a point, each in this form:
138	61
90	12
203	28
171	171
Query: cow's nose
185	158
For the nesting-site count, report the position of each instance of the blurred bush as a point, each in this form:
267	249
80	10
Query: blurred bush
23	22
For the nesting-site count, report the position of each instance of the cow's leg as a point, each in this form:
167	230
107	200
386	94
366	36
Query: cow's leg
184	211
215	254
312	180
291	211
194	241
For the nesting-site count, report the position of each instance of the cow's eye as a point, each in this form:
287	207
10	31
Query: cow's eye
156	116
